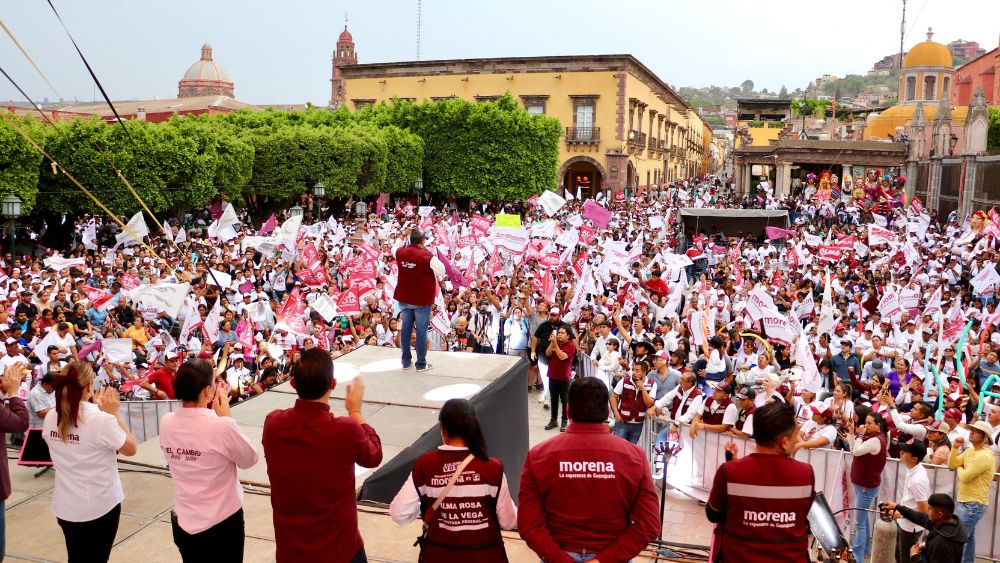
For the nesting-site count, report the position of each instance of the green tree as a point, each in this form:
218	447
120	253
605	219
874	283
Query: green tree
993	138
19	161
747	86
783	93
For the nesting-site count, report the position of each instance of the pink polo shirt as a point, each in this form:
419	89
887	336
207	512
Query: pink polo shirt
203	451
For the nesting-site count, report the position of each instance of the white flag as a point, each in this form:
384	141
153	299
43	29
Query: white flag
290	228
325	307
551	202
811	378
90	237
181	236
117	350
164	296
138	228
826	323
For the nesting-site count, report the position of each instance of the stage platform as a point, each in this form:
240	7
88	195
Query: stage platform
400	405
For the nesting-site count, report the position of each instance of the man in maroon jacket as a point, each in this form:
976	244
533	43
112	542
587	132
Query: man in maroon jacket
13	418
415	291
306	445
760	502
587	495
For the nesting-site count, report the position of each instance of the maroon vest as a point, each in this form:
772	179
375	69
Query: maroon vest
416	284
744	415
630	404
678	409
465	527
714	412
867	469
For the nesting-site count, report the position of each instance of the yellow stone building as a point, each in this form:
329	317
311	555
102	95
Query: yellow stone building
926	78
623	127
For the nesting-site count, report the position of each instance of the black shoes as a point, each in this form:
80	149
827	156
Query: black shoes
427	367
562	427
552	424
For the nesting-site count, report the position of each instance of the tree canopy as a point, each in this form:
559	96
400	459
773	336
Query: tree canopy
458	147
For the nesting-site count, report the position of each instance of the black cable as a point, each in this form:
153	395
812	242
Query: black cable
91	71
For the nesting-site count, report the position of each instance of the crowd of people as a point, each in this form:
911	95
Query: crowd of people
872	319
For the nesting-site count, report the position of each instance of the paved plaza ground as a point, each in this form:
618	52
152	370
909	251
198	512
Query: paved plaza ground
144	532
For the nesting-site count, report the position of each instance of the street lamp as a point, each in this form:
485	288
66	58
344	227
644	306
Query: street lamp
319	190
295	211
418	186
11	210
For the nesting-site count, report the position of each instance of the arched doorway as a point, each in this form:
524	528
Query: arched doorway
582	175
631	178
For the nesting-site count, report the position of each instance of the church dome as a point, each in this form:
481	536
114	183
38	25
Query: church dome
205	78
205	68
928	53
345	35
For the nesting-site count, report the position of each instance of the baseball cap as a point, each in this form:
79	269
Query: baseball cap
238	346
554	311
745	393
662	354
940	425
170	356
953	413
954	397
721	386
10	341
914	448
840	326
204	355
824	411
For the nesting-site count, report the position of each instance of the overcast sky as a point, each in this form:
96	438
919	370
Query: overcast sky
280	51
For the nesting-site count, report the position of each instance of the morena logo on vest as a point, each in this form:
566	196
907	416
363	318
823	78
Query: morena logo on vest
755	519
586	470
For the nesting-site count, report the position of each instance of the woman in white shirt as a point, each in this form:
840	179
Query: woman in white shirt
203	448
608	364
84	433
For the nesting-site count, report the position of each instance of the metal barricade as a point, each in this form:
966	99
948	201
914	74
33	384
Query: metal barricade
143	417
693	468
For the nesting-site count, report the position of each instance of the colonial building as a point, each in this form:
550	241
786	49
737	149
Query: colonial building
343	56
205	78
624	127
981	72
761	121
926	78
156	111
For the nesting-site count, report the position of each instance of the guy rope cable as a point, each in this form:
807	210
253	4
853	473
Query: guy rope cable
37	147
30	60
114	110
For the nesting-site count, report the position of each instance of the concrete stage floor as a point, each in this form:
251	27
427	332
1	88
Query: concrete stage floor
398	404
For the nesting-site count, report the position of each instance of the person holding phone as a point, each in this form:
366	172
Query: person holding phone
204	447
85	434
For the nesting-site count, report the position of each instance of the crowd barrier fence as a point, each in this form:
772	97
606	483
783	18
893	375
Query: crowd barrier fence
693	468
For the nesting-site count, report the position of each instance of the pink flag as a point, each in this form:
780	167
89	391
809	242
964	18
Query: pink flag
777	232
596	213
268	226
348	303
379	206
292	313
453	274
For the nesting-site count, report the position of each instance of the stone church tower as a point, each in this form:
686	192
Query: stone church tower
344	55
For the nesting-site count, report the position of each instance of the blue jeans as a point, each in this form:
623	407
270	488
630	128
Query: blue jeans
630	431
969	514
864	497
418	316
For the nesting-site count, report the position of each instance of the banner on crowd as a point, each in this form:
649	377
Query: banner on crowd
514	240
779	329
758	301
986	279
507	220
829	253
163	296
59	263
597	214
880	235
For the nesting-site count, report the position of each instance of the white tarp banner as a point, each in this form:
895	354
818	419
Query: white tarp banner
163	296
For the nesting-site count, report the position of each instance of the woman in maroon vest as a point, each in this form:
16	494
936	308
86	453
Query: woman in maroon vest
866	476
466	525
